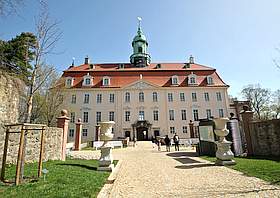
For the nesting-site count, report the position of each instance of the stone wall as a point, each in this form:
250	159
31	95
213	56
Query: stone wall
265	137
52	148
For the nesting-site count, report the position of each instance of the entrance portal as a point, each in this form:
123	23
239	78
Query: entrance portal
142	133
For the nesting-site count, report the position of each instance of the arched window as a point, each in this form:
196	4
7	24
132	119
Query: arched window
174	80
155	97
192	79
209	80
87	80
140	50
127	97
106	81
141	97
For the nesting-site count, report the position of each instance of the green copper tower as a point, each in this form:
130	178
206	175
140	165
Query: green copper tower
140	56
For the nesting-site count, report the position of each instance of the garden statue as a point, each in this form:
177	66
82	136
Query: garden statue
224	155
106	159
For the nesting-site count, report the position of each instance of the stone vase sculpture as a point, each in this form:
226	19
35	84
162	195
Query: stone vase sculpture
223	154
106	159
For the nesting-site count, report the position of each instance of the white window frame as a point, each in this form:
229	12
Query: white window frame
184	114
141	116
106	81
174	80
182	97
206	97
127	97
170	97
86	98
111	116
72	117
155	96
71	133
195	115
208	113
185	129
172	130
127	116
99	98
210	80
67	80
155	115
219	96
171	114
141	96
84	132
192	79
221	113
73	99
86	78
111	98
98	116
85	116
194	97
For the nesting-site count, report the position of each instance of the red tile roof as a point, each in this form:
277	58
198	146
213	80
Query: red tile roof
121	77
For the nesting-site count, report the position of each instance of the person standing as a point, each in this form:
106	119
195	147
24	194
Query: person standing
167	143
176	142
159	143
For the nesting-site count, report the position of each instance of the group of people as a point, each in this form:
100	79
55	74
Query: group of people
167	142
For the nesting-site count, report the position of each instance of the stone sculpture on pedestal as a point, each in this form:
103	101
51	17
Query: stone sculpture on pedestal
106	159
224	155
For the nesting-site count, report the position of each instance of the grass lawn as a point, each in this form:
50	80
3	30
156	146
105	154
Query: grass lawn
72	178
266	169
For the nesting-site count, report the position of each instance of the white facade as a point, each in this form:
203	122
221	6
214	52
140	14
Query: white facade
87	103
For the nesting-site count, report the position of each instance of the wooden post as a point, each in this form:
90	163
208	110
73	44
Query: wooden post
20	152
5	155
41	152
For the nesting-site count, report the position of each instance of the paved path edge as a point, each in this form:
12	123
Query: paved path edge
108	186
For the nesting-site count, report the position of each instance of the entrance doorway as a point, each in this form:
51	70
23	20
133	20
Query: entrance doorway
127	134
142	133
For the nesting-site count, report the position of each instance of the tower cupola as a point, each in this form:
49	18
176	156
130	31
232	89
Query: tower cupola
140	56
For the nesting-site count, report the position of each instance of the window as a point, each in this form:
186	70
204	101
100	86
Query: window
99	98
72	117
86	99
112	98
71	132
206	96
85	132
87	81
155	97
106	81
141	97
111	116
140	50
69	82
127	116
192	79
221	113
174	80
195	115
208	113
141	115
171	114
182	97
127	97
194	98
184	114
172	129
113	130
219	96
170	97
155	113
209	80
85	117
185	129
73	99
98	116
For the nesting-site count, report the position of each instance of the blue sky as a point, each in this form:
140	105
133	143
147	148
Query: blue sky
236	37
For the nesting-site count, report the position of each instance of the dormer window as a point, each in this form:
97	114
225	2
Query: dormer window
106	81
192	79
69	82
209	80
87	80
174	80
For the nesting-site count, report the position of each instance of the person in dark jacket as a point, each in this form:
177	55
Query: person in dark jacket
167	143
176	142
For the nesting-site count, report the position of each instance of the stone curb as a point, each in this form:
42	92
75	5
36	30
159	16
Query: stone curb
107	188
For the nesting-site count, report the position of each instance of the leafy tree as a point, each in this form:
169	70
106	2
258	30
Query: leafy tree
259	99
16	55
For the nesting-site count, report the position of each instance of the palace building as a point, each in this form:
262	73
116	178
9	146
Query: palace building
143	98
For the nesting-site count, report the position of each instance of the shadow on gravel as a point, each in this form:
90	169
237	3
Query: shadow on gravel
182	154
194	166
186	160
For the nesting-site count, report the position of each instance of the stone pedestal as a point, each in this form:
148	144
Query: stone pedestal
224	155
106	159
62	122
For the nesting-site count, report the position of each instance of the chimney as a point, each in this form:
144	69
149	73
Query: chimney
87	60
191	60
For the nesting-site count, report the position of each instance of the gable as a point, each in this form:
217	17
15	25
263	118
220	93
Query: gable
141	84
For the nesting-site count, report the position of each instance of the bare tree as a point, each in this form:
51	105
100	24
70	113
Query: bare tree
259	99
47	34
9	6
276	104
